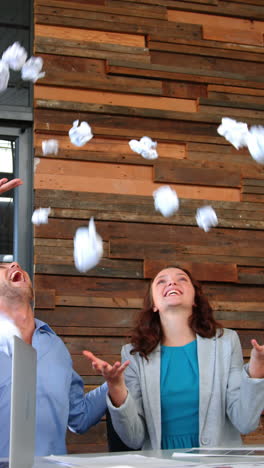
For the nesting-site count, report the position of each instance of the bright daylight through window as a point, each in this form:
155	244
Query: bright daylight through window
7	151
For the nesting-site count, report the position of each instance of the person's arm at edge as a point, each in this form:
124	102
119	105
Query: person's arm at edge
256	362
85	410
129	418
245	395
6	185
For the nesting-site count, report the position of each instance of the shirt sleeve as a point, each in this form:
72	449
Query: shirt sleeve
5	372
245	396
129	418
85	410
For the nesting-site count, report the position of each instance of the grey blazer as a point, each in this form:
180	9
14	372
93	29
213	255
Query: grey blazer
230	402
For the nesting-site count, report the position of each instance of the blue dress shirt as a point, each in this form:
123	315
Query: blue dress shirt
60	401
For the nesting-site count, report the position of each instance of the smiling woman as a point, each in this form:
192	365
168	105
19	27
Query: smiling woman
182	382
173	296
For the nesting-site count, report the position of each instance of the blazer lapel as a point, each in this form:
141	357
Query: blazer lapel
206	349
152	385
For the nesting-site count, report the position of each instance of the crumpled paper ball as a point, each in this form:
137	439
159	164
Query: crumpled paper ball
50	147
145	146
40	216
15	56
88	247
4	75
31	70
166	200
255	143
206	218
234	132
80	134
7	332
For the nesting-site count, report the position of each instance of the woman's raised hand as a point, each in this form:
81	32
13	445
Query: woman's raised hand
256	363
114	375
6	185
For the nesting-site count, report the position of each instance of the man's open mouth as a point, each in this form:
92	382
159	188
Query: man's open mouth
17	276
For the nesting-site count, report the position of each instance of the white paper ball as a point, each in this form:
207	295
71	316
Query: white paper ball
80	134
206	218
147	143
135	146
234	132
166	200
31	70
88	247
15	56
50	147
40	216
255	143
146	147
4	75
7	332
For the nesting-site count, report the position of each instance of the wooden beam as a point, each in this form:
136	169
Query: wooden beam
114	99
88	35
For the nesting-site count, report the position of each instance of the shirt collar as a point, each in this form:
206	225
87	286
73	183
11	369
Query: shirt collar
43	326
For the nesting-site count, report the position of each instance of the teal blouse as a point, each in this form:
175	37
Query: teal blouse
179	391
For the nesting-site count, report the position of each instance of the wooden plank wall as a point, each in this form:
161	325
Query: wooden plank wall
167	69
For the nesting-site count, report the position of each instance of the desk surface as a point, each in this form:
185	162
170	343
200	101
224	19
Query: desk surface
110	459
115	459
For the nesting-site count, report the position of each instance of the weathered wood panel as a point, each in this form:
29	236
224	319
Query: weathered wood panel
173	251
240	37
108	267
91	50
168	70
136	208
52	120
216	20
89	35
93	317
100	21
91	286
128	179
81	72
189	173
110	148
201	271
205	63
114	99
136	10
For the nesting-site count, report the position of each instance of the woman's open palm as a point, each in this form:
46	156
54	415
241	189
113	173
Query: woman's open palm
112	374
256	363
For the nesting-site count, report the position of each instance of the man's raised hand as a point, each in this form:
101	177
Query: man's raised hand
6	185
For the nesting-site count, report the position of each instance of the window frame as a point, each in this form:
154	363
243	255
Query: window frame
23	195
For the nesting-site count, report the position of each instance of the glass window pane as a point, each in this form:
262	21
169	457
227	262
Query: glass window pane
7	151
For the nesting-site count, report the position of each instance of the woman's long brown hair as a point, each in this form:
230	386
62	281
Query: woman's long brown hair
147	332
